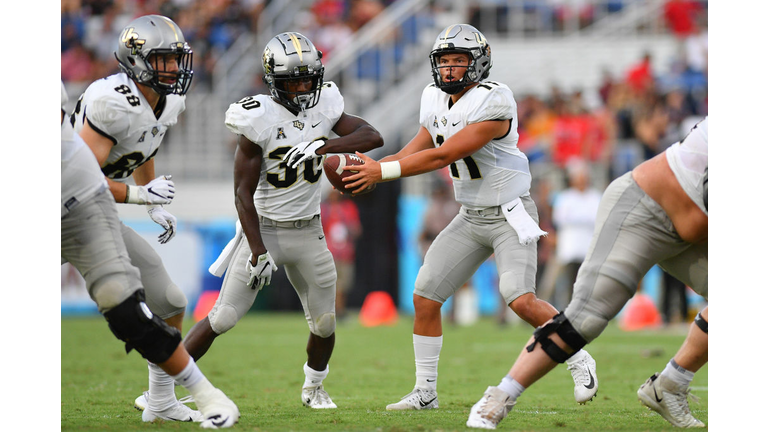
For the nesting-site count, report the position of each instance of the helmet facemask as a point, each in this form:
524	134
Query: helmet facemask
296	100
166	82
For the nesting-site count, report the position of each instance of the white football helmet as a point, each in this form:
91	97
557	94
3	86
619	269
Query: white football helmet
159	36
291	56
461	38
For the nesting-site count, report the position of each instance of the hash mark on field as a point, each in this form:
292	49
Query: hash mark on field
700	388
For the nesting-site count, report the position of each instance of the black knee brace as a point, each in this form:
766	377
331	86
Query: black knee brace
701	322
567	333
133	323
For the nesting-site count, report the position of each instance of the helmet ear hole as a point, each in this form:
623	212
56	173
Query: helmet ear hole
132	61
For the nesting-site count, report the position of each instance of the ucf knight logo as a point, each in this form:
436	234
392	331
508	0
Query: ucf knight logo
298	125
131	40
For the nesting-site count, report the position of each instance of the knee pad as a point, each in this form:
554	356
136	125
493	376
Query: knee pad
133	323
325	325
223	318
701	323
567	333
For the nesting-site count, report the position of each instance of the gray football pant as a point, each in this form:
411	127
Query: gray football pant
469	240
632	233
308	263
92	242
114	260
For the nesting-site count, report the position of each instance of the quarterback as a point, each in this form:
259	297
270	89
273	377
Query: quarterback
91	241
123	119
470	124
282	138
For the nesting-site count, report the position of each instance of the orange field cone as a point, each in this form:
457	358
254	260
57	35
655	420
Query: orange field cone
204	304
639	314
378	309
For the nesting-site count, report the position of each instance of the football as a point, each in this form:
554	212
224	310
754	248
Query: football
334	170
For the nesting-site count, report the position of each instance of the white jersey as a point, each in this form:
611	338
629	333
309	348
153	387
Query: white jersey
497	173
81	177
689	160
284	193
116	108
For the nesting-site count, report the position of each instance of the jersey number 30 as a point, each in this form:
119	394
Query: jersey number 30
286	179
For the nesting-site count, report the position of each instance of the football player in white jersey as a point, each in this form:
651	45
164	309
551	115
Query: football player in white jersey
655	214
91	241
470	124
123	119
282	138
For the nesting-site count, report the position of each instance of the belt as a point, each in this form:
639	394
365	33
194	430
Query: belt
488	211
267	222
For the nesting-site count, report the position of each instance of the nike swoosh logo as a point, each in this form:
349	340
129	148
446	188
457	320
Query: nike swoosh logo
423	404
656	395
454	124
220	422
592	381
429	380
509	210
321	237
315	125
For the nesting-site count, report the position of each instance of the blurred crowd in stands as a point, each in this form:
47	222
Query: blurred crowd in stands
647	108
90	27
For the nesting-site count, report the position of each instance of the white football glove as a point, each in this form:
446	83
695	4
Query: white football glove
301	152
261	273
166	220
159	191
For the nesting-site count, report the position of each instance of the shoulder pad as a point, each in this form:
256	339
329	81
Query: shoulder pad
490	101
250	116
331	101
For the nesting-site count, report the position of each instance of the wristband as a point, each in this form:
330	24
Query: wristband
390	170
132	195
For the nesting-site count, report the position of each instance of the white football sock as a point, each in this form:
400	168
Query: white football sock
677	374
192	379
161	388
426	350
313	378
513	388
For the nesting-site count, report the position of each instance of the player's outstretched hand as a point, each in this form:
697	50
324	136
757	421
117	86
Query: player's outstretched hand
301	152
367	175
166	220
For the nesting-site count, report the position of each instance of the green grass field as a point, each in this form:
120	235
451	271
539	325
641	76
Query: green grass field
259	365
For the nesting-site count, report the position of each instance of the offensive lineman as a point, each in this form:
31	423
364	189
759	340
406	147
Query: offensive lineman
92	242
123	119
656	214
278	165
470	124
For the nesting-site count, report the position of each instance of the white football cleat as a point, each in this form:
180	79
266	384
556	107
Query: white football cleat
218	410
141	402
582	367
418	399
316	397
176	412
670	400
490	409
